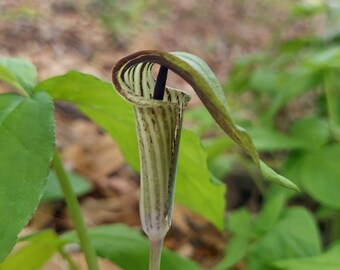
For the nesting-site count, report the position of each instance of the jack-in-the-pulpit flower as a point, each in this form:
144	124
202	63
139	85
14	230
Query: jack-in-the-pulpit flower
159	112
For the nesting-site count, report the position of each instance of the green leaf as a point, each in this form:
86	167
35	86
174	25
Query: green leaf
98	100
320	175
235	251
18	72
239	223
295	235
329	260
53	191
312	132
196	72
128	248
194	188
35	254
271	210
27	146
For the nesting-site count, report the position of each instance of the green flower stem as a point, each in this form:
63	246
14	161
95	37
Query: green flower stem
155	253
73	205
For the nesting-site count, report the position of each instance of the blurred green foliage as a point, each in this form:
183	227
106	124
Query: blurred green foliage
295	91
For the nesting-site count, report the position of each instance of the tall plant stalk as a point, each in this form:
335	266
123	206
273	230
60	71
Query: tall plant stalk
74	208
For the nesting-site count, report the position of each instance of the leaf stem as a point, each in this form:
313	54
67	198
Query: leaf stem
74	208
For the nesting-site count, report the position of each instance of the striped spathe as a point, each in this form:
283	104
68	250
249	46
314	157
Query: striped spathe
159	124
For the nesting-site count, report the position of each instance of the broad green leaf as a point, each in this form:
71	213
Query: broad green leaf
295	236
196	72
18	72
27	146
129	249
35	254
239	222
235	251
194	188
53	190
98	100
330	260
312	132
320	175
271	210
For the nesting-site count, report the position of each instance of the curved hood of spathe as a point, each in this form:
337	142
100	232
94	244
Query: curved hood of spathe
135	82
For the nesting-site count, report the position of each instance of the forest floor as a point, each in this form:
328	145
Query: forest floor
91	36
